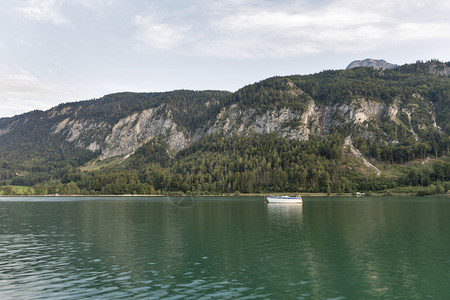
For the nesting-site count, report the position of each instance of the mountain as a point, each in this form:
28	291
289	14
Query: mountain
328	132
115	124
371	63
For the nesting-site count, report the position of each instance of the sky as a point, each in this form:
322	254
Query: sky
58	51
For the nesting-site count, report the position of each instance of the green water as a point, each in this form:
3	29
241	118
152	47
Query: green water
223	248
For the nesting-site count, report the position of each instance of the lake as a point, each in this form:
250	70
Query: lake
224	247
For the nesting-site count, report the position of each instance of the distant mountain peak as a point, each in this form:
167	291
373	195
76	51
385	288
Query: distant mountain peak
371	63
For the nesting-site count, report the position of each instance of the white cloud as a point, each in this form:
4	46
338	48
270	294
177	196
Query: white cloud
280	33
22	92
95	4
414	31
337	27
252	29
21	83
44	10
160	36
50	10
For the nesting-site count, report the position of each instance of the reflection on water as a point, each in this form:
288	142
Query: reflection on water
183	201
224	248
288	215
284	210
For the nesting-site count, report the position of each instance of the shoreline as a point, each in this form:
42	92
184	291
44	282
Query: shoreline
383	194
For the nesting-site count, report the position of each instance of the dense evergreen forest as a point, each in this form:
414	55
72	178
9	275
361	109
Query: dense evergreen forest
411	151
256	164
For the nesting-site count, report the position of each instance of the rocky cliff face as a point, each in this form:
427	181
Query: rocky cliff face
84	133
313	117
133	131
124	137
439	69
316	119
371	63
284	121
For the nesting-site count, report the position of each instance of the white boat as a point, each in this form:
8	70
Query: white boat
284	199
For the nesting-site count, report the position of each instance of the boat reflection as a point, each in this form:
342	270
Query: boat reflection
285	214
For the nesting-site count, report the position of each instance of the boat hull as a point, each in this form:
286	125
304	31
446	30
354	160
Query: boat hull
284	199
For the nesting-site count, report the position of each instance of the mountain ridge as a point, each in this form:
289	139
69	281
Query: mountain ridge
396	115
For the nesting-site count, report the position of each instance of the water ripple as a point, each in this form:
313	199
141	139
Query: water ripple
150	250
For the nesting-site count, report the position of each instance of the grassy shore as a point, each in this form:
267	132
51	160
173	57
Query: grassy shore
438	189
28	192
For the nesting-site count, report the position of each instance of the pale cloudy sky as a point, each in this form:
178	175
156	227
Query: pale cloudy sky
56	51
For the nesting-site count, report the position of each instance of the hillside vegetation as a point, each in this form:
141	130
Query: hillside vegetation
343	131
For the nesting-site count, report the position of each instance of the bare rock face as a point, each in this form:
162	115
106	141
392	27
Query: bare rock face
317	119
139	128
133	131
84	133
439	69
371	63
127	135
284	121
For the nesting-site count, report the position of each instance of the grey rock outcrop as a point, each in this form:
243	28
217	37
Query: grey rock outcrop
127	135
134	131
289	123
439	69
371	63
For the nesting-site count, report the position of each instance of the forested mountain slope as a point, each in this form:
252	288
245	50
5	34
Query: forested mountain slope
211	141
117	124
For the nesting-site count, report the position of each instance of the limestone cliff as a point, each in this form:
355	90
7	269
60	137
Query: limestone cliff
299	122
371	63
139	128
317	119
125	136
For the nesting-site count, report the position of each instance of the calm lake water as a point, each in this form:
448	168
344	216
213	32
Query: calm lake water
224	247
